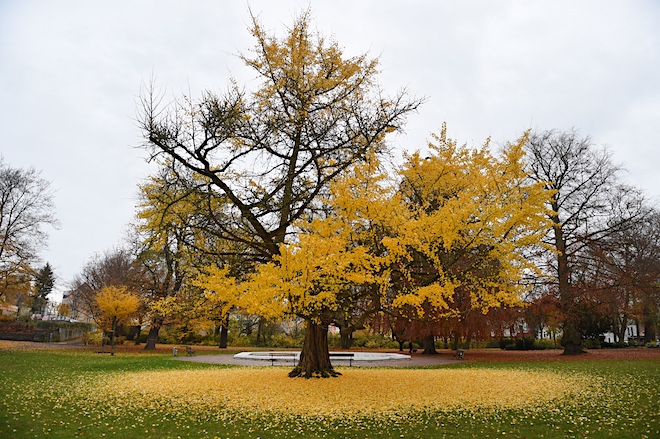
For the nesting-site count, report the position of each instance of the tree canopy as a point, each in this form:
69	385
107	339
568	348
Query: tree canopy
273	151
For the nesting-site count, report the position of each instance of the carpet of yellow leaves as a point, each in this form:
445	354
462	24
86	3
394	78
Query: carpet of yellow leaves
356	392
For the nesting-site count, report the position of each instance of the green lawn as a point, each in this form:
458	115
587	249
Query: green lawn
46	393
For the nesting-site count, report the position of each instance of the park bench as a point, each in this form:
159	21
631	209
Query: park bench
350	356
190	351
274	356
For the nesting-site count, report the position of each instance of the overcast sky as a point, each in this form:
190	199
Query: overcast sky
70	72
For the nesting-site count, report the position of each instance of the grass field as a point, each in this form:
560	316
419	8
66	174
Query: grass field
63	393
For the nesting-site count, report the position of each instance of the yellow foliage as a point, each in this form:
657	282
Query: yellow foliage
461	220
326	258
360	392
116	302
472	216
220	290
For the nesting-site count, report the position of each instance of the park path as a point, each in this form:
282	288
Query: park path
416	360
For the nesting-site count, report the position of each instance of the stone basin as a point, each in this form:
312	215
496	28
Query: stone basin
293	356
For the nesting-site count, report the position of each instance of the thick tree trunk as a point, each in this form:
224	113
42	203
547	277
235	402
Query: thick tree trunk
572	338
223	337
315	355
572	341
152	337
650	332
429	345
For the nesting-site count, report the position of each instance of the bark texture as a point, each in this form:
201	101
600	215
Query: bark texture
429	345
152	337
315	356
223	337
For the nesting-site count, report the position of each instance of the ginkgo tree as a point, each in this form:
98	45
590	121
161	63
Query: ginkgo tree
457	223
164	237
272	153
116	304
181	229
472	216
334	263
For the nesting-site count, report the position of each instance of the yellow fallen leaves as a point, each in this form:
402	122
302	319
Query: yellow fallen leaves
356	392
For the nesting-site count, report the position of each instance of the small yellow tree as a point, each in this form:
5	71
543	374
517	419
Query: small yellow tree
115	304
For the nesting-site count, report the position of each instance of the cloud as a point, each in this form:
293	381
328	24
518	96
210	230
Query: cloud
71	72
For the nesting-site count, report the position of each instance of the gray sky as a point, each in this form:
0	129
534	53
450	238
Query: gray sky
70	72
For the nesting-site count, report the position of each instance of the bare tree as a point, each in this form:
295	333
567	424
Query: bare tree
26	206
116	268
588	204
627	269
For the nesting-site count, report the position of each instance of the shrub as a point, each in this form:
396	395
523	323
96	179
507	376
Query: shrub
494	343
545	344
93	338
364	340
527	344
592	344
282	340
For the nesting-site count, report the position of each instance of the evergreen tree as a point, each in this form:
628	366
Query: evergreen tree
44	281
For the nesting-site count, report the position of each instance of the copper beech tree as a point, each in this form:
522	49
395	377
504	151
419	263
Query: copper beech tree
272	152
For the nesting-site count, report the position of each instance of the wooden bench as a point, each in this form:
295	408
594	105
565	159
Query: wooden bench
350	356
274	356
190	351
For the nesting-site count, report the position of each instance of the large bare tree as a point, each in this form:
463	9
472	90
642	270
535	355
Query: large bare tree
626	267
26	206
588	204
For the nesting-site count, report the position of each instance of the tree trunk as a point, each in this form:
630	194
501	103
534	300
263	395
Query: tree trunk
572	338
315	355
623	328
429	345
346	338
649	327
138	334
455	339
223	337
152	338
112	338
